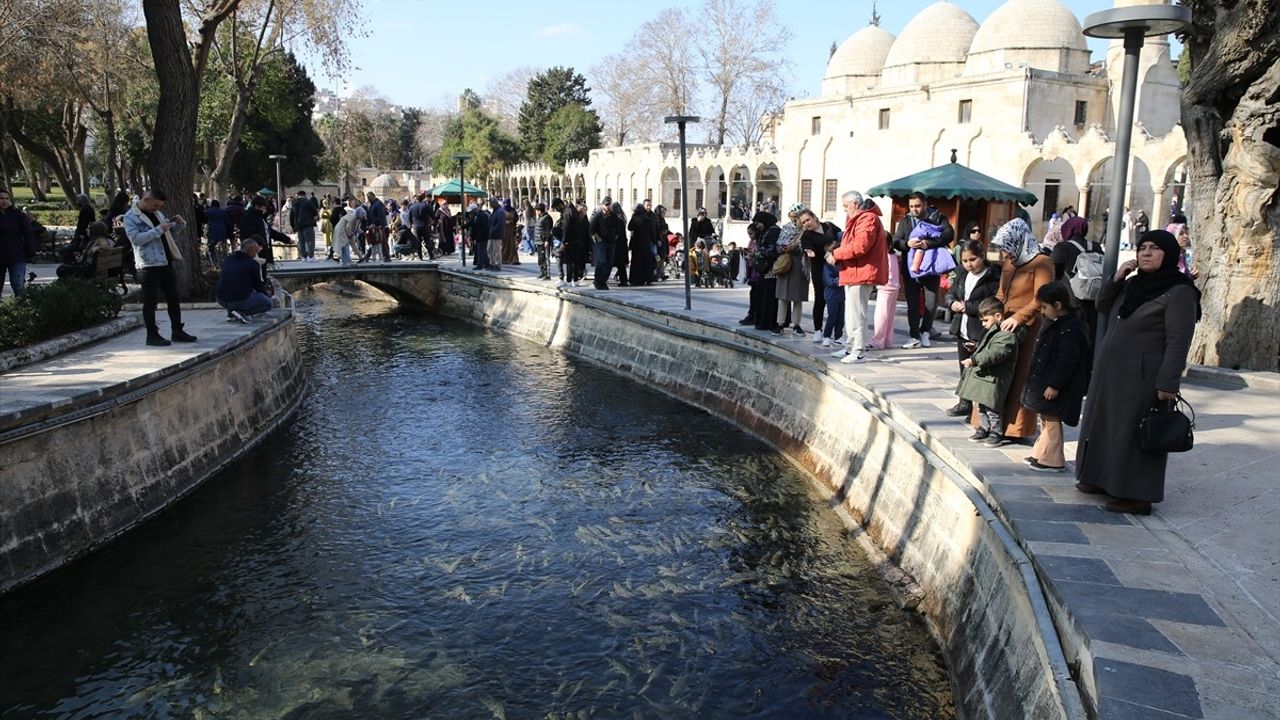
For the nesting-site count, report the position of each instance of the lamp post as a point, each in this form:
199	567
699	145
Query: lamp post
1134	25
462	159
681	121
279	191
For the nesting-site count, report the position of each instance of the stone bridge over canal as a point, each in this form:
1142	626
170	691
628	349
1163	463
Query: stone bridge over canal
407	282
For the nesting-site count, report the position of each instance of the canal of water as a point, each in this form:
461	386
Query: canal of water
460	524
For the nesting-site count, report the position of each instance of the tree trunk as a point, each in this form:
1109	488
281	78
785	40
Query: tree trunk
1231	115
113	152
231	143
28	164
174	142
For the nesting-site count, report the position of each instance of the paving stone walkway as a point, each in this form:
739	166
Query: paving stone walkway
1181	609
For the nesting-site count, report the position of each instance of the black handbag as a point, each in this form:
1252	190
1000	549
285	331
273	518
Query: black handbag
1166	428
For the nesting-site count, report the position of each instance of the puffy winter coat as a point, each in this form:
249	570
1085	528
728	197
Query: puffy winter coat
862	257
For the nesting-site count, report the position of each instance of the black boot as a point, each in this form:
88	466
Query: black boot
960	409
155	338
180	335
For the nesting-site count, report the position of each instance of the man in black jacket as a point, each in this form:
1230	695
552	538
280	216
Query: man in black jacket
602	244
304	217
240	288
920	319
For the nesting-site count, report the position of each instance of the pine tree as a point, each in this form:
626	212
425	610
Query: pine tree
548	91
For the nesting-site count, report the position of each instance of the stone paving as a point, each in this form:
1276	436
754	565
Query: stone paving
1181	610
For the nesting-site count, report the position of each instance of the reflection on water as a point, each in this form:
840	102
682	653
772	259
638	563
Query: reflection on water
459	524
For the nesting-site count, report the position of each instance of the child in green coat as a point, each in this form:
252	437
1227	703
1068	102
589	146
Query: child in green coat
988	373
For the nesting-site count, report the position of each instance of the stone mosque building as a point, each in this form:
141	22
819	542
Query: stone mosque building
1016	97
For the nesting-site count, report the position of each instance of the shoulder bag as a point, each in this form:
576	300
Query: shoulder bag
1166	428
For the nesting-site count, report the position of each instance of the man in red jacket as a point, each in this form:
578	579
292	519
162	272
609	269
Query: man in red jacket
863	261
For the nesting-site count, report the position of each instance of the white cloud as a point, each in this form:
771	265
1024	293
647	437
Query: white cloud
562	29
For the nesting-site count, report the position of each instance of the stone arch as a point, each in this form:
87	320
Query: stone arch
768	184
717	192
742	190
1175	192
670	182
1099	199
1054	183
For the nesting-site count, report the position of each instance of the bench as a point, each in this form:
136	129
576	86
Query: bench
108	263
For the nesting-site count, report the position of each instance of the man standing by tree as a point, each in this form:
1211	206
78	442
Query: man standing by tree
155	251
919	320
303	218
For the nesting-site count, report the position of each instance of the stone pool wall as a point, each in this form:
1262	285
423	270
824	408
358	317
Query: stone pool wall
78	473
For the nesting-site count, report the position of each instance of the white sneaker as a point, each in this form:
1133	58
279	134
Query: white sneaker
826	342
924	340
912	343
852	358
842	339
817	336
840	353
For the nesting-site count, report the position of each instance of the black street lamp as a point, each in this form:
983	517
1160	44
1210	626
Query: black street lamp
681	121
1134	25
462	159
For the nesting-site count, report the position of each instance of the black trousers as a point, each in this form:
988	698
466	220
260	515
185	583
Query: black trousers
602	258
920	319
819	297
424	240
764	303
156	280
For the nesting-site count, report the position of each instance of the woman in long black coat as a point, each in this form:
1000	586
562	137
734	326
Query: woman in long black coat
621	257
642	260
1152	316
764	301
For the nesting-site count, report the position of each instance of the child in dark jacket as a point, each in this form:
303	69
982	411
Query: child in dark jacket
988	373
976	281
833	294
1059	373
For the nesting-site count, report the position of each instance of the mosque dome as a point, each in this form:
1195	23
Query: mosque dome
384	183
856	64
931	47
1041	34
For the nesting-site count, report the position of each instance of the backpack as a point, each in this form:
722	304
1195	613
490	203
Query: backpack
1085	277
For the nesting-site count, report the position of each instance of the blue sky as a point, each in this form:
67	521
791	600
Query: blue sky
407	54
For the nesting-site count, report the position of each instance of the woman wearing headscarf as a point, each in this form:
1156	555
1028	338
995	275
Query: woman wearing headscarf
764	290
1025	270
1075	240
621	256
660	231
793	285
1152	316
510	249
1179	231
642	260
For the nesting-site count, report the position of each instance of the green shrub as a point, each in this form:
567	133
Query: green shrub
54	217
63	306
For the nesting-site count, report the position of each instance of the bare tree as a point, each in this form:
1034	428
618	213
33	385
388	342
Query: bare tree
430	136
1232	119
503	95
734	69
628	107
753	112
667	66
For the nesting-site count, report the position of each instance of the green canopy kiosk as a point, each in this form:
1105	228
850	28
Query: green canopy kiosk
962	194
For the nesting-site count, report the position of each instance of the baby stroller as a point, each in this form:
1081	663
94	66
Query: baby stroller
720	275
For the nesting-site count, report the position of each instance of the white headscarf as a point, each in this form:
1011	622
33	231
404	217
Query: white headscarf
1015	238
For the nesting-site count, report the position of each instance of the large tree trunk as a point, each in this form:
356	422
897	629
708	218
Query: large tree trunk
170	166
1231	115
231	143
